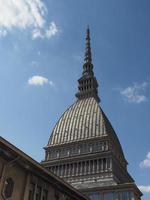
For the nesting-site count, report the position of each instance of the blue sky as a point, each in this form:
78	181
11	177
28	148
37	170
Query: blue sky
41	55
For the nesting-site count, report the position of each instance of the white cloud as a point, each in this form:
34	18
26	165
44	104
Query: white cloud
3	33
36	33
25	15
144	188
39	81
146	162
47	33
135	93
52	30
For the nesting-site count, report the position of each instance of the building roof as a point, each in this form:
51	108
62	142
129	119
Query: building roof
81	121
12	152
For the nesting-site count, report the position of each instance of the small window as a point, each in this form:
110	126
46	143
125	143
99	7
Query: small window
38	193
57	195
57	153
104	163
68	152
90	148
8	188
31	192
31	195
45	194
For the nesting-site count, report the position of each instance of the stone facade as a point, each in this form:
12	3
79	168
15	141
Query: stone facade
22	178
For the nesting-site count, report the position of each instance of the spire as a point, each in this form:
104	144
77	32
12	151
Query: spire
87	83
88	56
88	66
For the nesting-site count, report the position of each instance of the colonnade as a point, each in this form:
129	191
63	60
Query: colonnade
83	167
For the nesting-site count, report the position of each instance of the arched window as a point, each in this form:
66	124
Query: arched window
8	188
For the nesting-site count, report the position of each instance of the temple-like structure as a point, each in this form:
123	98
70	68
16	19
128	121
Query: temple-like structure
83	147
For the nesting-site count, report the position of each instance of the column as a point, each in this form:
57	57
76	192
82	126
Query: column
62	170
106	169
92	166
97	169
26	188
77	168
69	170
55	169
35	188
103	146
102	164
73	172
84	168
106	145
89	167
41	193
110	163
81	168
65	169
58	172
99	165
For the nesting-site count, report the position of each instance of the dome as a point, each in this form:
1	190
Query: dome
82	121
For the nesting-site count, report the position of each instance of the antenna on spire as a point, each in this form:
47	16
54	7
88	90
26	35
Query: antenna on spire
88	56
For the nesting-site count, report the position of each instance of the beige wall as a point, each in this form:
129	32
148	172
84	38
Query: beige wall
17	174
23	179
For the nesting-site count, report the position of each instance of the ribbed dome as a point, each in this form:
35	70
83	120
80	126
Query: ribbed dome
81	121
